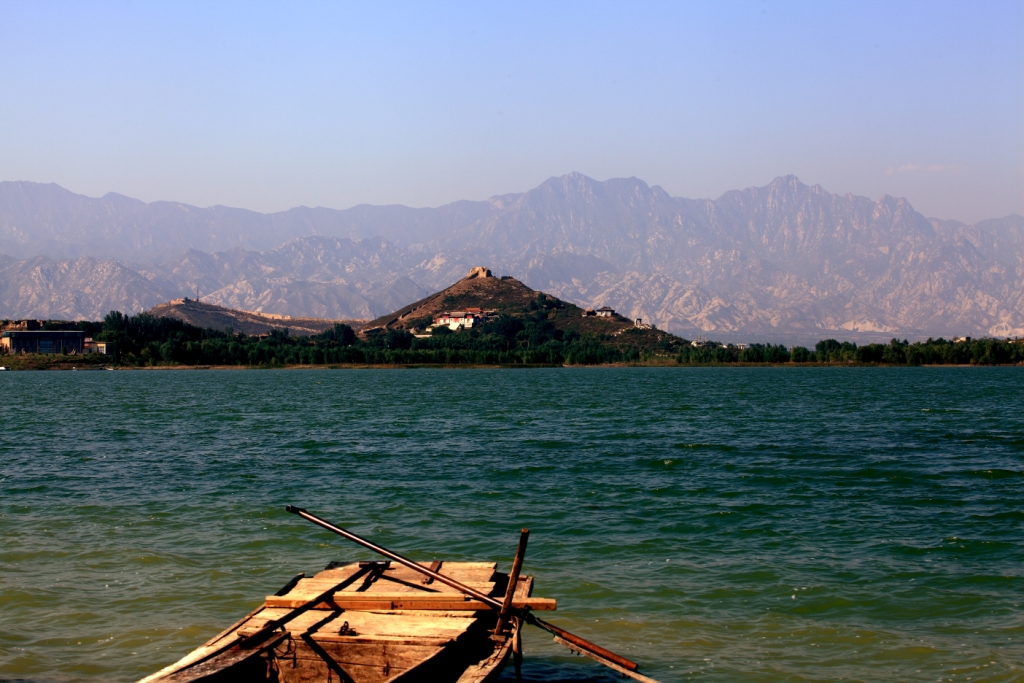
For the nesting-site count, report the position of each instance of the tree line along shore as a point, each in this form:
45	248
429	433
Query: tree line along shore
144	341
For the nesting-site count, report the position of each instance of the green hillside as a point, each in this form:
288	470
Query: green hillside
524	319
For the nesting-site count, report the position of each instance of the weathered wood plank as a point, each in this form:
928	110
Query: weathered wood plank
381	653
398	625
310	588
464	572
398	601
392	640
391	578
317	662
525	587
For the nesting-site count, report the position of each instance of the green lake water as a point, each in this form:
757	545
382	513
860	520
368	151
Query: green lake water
714	524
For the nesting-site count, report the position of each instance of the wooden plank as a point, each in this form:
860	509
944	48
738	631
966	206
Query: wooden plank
525	587
411	579
393	640
295	669
353	626
296	626
398	601
399	625
450	566
481	571
388	585
338	573
395	655
417	672
307	589
464	572
419	612
316	662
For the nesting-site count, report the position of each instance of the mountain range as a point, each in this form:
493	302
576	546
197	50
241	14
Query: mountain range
786	261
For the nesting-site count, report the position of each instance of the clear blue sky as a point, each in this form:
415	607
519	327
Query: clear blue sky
273	105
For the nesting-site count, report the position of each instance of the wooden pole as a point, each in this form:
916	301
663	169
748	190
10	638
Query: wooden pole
513	581
517	649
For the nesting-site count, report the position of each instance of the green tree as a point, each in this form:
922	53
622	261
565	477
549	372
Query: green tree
800	354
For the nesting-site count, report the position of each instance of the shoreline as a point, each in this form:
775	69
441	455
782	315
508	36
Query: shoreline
67	366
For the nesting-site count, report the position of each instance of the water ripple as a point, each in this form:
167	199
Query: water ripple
757	524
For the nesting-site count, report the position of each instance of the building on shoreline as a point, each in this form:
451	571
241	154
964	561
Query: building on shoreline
101	347
42	341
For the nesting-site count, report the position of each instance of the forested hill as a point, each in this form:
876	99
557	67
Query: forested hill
509	297
203	315
524	327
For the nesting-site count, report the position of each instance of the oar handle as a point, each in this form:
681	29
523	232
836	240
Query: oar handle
583	643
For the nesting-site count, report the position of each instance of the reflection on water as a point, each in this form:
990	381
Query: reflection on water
758	524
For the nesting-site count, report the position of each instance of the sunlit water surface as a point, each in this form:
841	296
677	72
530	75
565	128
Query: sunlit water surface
762	524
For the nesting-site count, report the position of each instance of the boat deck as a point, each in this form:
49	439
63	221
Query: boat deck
365	623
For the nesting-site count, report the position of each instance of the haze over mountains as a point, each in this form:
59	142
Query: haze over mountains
785	261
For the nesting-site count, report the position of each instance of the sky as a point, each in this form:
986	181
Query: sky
273	105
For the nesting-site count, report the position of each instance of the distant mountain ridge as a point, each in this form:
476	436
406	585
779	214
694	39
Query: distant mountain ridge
781	261
45	219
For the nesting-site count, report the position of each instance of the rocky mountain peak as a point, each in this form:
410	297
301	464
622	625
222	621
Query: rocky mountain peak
779	260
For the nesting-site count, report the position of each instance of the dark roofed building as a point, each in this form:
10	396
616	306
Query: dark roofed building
42	341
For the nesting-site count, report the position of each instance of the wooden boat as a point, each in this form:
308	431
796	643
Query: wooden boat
393	621
368	622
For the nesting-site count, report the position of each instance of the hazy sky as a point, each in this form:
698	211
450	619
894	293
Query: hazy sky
269	106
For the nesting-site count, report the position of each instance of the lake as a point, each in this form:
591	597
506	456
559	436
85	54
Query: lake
713	524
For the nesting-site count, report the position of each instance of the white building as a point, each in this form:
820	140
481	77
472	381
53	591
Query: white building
466	319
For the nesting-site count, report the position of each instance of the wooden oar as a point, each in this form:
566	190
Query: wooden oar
596	652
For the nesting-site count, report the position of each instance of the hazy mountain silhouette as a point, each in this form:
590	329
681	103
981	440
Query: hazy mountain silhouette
775	261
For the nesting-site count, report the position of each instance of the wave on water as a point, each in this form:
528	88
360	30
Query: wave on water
732	524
